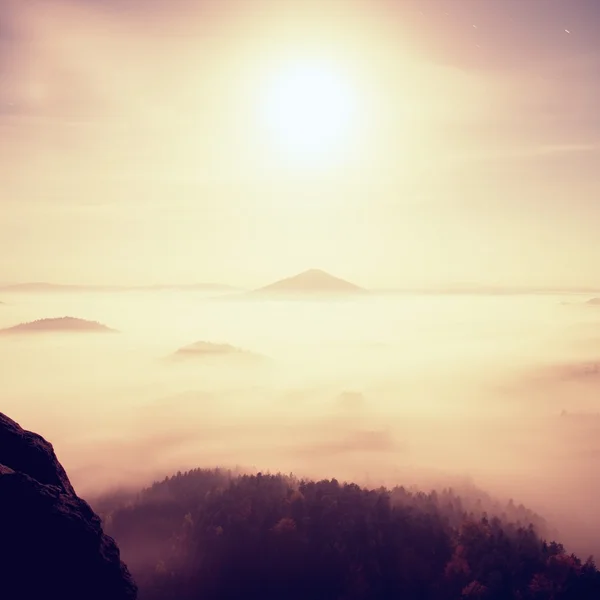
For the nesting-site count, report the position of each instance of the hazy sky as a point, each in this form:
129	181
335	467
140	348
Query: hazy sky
392	142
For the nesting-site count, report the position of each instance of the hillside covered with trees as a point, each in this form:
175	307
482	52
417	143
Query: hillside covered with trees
217	535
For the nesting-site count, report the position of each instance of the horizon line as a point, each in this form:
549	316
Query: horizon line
447	288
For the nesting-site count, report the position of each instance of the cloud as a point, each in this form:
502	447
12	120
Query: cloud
516	151
71	61
568	148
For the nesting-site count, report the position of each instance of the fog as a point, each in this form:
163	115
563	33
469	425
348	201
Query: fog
391	389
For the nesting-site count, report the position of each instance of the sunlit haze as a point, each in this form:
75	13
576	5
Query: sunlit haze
350	238
394	143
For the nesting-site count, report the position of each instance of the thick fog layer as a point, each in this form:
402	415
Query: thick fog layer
386	389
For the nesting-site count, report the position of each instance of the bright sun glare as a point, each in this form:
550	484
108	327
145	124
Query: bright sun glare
310	110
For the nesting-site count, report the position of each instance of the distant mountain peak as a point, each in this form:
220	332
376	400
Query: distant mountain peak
315	273
312	281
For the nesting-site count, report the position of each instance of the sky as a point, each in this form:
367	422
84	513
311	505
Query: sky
394	143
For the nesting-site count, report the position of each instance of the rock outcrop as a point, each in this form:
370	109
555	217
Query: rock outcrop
51	541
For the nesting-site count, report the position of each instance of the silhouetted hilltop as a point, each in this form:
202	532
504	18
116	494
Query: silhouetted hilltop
219	535
313	281
44	287
594	301
52	544
59	324
202	349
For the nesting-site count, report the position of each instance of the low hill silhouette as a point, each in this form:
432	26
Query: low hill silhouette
52	543
202	350
57	325
594	301
313	281
44	287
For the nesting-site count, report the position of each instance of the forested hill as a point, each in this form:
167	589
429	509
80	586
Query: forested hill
215	535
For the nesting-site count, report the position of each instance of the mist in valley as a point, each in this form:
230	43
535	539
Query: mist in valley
445	149
498	392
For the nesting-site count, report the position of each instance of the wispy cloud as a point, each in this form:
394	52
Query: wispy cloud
522	151
568	148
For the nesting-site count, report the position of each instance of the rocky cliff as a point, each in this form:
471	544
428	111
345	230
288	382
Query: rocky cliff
51	541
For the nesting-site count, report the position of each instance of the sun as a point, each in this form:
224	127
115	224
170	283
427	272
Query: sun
310	110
